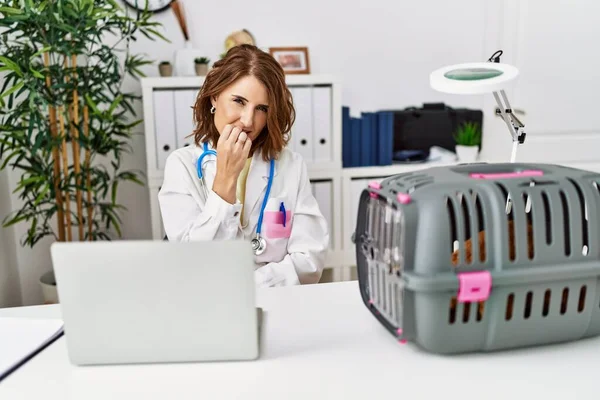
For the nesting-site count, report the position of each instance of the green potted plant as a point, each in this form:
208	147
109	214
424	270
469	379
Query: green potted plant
65	120
201	64
165	68
468	140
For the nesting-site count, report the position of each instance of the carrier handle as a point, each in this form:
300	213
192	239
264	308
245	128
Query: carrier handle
506	175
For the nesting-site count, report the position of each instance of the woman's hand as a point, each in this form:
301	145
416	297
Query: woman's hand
233	148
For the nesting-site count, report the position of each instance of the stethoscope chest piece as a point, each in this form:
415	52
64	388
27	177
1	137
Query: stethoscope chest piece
259	245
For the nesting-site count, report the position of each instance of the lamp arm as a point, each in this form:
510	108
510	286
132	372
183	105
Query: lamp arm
512	122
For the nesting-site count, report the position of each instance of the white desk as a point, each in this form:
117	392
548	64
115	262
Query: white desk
319	341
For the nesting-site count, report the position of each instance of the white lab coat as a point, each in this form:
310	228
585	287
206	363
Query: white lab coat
295	254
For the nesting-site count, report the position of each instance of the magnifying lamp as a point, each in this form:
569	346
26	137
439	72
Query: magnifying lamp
479	78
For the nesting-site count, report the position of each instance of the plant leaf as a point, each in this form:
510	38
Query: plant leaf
11	65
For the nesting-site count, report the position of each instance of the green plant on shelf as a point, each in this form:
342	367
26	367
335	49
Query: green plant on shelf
468	134
201	60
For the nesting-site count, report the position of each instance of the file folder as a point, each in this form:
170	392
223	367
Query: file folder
302	130
164	125
322	126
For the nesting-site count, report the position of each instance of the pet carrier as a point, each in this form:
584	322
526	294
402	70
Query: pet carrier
482	257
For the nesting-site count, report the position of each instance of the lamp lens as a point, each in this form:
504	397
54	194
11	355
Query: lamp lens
472	74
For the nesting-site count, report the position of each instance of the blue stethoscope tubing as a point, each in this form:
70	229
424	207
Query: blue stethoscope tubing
258	243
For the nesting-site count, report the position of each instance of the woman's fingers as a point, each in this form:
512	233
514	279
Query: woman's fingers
235	133
247	146
226	132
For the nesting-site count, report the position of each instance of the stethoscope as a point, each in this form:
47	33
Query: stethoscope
258	243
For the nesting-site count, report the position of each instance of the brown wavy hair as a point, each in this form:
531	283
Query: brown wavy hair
241	61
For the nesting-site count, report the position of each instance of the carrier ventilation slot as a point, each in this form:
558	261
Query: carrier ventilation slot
581	304
510	303
528	304
466	312
566	223
481	229
564	301
584	219
546	306
470	311
469	241
529	217
471	215
548	217
453	229
510	223
547	298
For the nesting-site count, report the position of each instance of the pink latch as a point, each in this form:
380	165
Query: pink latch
506	175
403	198
375	185
474	286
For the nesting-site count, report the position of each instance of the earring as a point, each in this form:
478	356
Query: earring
213	109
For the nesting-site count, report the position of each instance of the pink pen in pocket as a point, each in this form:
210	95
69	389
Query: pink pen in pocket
276	225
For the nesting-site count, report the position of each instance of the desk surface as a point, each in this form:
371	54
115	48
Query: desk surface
318	341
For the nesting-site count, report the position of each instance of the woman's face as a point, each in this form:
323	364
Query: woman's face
244	104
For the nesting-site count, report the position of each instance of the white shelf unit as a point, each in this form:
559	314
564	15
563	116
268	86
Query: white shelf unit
317	99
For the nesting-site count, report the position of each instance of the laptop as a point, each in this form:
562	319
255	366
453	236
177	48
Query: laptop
128	302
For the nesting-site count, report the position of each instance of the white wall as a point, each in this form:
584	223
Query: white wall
383	51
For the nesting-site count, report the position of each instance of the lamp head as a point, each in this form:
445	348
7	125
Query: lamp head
473	78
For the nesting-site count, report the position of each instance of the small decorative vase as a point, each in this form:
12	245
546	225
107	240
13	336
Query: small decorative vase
49	290
165	69
467	154
201	69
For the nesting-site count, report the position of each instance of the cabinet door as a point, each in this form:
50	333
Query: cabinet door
323	192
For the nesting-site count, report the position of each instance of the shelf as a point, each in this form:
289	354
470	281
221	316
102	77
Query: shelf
173	82
318	171
389	170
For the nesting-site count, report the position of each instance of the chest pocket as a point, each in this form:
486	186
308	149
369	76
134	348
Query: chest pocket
275	233
278	218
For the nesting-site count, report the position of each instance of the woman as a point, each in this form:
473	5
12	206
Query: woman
244	112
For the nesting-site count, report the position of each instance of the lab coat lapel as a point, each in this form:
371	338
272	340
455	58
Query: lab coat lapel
256	184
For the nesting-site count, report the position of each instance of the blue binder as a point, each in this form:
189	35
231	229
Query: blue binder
346	138
366	140
355	141
385	138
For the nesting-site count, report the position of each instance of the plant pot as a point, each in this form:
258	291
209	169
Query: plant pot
165	69
201	69
49	291
467	154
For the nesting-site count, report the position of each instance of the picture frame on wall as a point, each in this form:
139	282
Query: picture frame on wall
294	60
